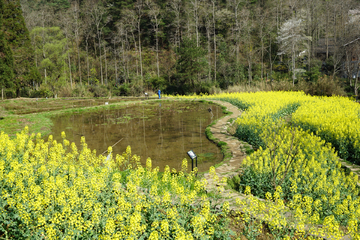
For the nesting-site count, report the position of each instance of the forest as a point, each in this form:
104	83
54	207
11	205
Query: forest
94	48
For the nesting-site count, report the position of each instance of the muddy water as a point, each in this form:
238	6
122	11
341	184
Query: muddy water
163	131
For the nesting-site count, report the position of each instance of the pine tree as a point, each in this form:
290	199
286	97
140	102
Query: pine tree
190	64
6	59
18	39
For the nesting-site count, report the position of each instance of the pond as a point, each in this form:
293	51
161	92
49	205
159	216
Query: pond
162	130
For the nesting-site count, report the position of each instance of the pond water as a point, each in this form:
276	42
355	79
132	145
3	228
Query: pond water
163	131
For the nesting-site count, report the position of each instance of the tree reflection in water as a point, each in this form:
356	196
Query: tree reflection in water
162	132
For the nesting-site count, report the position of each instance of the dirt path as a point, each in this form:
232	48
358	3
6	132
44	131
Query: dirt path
352	167
231	167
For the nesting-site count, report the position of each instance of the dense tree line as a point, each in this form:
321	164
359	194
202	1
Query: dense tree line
6	59
180	46
21	52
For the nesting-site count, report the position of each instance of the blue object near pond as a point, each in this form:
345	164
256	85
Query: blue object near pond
159	93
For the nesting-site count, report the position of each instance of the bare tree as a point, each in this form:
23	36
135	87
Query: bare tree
87	29
188	12
44	13
261	16
352	63
241	18
208	24
195	9
175	7
98	12
337	57
139	5
130	26
105	58
123	36
310	18
351	49
75	10
31	17
279	13
154	12
249	50
213	20
115	40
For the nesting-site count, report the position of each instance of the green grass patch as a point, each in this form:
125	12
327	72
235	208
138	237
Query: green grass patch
224	148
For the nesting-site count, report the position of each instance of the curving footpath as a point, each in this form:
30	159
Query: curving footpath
231	167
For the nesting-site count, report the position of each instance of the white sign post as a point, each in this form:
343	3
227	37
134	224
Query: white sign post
193	156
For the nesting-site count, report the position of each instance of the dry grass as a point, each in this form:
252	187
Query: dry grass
256	87
325	86
3	113
77	90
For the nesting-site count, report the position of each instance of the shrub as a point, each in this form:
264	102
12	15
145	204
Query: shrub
156	83
99	90
43	92
81	90
326	86
65	91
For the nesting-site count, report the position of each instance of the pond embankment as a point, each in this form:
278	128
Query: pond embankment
236	152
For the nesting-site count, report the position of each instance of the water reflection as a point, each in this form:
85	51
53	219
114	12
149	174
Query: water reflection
164	132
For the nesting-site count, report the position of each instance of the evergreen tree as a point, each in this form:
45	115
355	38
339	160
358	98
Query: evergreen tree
6	58
57	4
18	38
190	65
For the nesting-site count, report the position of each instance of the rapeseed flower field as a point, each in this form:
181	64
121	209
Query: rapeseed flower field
298	140
54	190
294	184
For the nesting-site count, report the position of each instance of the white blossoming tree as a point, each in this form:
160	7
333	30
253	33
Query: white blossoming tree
292	41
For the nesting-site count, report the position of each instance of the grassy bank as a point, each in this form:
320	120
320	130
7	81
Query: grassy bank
12	121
